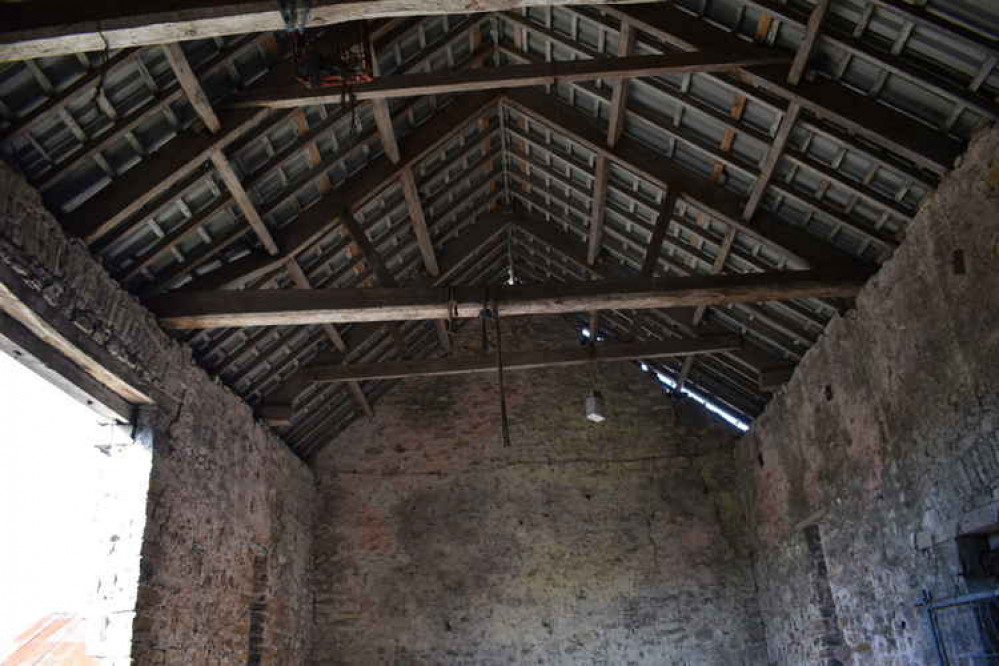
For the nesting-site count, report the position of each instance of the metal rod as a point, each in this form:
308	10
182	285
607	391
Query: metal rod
935	633
962	600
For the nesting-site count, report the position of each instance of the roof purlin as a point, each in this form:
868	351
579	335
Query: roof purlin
791	326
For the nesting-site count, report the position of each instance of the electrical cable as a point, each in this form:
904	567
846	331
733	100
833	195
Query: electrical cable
512	276
348	99
593	368
484	314
295	14
452	310
504	420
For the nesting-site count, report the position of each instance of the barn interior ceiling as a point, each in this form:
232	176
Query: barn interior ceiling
727	141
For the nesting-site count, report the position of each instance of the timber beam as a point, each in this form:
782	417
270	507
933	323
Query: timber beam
301	281
457	257
830	100
380	173
192	86
134	194
685	320
130	198
326	373
619	98
519	76
802	249
56	27
281	307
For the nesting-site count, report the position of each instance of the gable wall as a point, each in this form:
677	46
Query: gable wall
620	542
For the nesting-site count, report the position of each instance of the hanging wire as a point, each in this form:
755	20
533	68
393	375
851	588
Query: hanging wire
295	14
102	79
593	366
485	314
348	100
502	389
452	311
295	19
511	276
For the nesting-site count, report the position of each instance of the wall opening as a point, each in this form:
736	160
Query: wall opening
73	486
965	629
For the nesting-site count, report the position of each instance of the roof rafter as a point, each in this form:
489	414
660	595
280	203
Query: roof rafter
659	234
199	100
192	86
732	121
302	281
807	42
378	174
131	193
270	201
801	248
880	124
130	196
857	45
677	267
619	98
126	120
615	124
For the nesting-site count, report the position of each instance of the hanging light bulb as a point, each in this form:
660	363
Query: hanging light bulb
595	407
595	400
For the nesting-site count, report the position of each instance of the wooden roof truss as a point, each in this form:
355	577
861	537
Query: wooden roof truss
818	162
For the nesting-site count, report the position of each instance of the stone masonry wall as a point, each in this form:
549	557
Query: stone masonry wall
885	444
230	508
581	543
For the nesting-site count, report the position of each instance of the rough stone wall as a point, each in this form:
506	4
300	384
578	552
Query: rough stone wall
885	444
581	543
228	503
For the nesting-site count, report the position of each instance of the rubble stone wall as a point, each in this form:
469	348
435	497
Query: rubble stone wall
884	446
619	542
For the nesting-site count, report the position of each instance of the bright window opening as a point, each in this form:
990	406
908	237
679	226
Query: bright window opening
700	399
73	496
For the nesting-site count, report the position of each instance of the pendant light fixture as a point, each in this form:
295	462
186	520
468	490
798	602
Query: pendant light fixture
595	400
595	407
